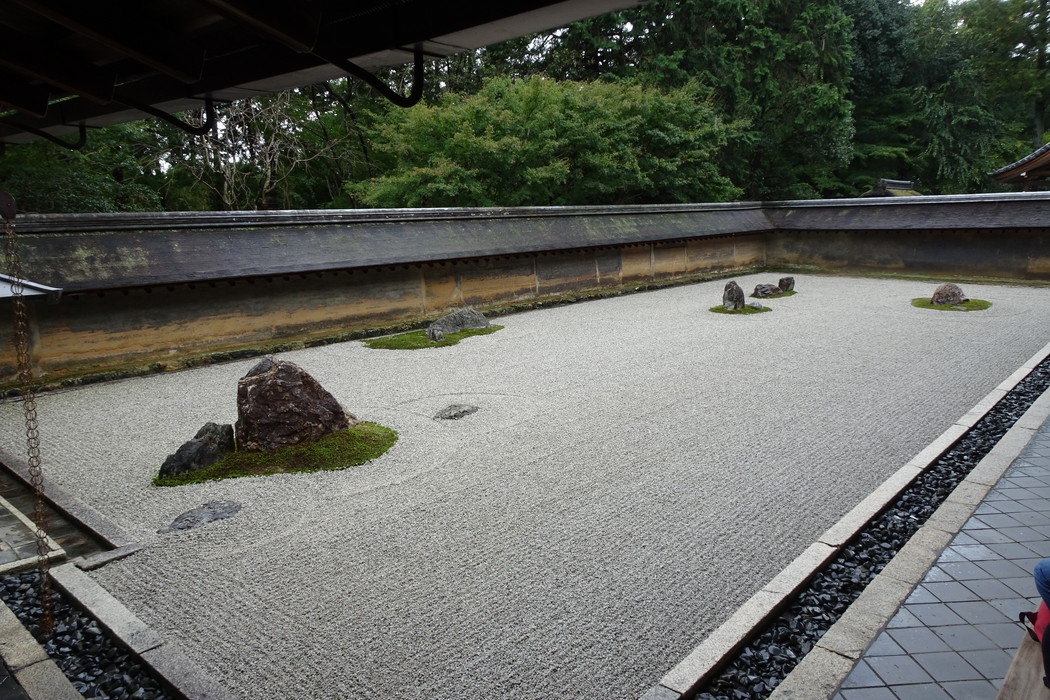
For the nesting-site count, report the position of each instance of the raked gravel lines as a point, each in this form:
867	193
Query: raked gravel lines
639	467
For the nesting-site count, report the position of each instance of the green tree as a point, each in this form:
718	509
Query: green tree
545	142
117	170
1009	40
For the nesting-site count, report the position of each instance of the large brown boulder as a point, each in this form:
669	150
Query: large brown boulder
279	404
948	293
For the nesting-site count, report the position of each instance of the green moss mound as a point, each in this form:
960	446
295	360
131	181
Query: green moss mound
777	296
747	310
417	340
338	450
971	305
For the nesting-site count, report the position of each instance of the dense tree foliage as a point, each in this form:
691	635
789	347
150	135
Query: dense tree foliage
546	142
670	101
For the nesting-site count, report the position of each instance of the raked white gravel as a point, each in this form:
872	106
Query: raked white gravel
638	468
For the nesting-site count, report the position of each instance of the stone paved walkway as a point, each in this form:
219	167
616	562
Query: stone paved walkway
955	635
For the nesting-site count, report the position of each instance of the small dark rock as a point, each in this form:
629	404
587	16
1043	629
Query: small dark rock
733	297
948	294
208	446
458	320
455	412
767	290
786	284
209	512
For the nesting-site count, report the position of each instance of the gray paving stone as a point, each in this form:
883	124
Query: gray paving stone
1000	520
1039	547
921	595
965	570
869	694
917	639
988	509
1013	534
990	589
964	538
1005	634
862	676
976	552
1011	550
935	614
947	666
951	592
936	574
924	691
970	690
1010	607
904	618
1029	518
884	645
991	536
992	663
977	612
1003	569
899	670
1024	585
964	638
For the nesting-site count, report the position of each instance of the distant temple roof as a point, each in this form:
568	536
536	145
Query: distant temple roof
1034	167
892	188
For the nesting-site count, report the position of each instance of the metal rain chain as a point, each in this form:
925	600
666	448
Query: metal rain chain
25	377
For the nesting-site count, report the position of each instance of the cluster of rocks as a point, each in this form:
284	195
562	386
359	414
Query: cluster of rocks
278	404
765	662
786	284
457	321
733	296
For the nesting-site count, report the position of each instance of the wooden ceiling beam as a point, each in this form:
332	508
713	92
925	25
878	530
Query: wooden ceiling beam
295	26
21	95
181	61
24	56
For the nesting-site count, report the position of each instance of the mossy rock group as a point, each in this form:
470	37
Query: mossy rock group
339	450
417	340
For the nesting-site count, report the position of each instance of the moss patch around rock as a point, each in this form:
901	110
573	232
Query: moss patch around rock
747	310
971	305
417	340
777	296
338	450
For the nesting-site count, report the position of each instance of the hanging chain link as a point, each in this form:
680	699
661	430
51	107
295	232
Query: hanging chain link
25	380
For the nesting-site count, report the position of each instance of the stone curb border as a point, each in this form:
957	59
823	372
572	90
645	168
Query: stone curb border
93	521
54	553
39	676
832	658
163	658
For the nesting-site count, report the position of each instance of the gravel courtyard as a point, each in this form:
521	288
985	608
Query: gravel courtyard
637	469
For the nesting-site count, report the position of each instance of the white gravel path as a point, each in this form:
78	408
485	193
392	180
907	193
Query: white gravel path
639	467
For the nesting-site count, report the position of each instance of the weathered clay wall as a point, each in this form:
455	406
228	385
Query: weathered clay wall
165	289
1009	253
97	331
